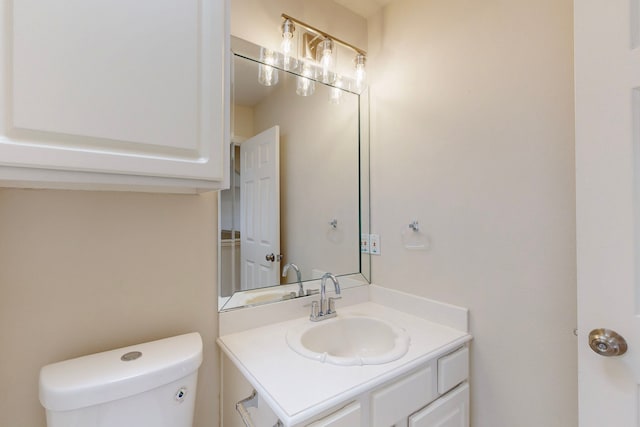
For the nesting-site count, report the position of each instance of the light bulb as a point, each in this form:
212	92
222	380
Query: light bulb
267	74
325	53
361	73
305	86
287	43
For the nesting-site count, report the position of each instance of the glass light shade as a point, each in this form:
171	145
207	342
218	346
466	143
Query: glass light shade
325	55
305	86
286	46
335	95
267	74
361	74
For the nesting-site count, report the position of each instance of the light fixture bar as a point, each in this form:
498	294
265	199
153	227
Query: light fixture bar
325	35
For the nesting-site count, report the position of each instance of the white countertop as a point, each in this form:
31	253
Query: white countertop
297	388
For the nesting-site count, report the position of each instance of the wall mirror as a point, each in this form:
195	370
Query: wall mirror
299	187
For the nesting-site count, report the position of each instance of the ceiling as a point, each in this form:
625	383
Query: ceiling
364	8
247	91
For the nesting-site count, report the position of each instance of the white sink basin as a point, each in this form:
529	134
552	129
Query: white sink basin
349	340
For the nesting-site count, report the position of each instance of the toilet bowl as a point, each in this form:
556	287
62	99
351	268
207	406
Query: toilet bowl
146	385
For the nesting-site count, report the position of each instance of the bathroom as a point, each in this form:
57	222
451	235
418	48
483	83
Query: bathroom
472	133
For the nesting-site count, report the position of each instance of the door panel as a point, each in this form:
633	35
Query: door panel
113	86
260	209
607	80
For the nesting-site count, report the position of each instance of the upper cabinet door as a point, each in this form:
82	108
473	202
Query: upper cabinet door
115	87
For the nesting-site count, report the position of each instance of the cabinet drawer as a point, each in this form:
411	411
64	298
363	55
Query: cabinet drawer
395	401
349	416
453	369
451	410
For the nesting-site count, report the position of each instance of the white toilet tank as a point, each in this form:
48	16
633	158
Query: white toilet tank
146	385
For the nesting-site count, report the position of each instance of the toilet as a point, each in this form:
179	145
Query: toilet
146	385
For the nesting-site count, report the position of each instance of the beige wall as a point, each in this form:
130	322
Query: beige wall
83	272
243	121
472	115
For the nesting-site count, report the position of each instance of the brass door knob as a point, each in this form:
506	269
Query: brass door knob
607	343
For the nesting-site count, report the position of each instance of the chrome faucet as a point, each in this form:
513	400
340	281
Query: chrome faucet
294	267
327	306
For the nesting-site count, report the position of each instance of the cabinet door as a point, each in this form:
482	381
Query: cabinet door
349	416
393	403
451	410
114	86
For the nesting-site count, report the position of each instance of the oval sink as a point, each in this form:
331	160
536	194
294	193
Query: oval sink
349	340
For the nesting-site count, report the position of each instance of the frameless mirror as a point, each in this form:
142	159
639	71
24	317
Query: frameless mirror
299	187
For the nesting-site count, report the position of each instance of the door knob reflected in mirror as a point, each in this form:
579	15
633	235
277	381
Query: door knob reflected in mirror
607	343
274	257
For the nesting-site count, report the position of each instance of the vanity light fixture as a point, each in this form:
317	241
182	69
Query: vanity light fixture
321	48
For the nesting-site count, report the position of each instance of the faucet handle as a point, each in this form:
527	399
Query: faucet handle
332	304
314	310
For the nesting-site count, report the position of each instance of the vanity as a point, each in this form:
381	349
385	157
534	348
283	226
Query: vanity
426	386
385	358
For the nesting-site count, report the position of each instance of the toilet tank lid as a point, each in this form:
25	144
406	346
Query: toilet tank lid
108	376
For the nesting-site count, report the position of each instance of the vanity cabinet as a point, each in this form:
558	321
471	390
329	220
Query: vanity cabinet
114	95
435	394
425	386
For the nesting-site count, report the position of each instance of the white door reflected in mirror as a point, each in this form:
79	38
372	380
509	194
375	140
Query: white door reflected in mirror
260	209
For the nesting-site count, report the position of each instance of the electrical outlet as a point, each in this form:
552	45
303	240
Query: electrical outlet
374	244
364	244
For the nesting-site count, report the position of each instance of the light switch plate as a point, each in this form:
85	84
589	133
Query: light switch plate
374	244
364	243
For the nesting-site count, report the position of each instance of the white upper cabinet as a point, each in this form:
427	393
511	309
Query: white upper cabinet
114	94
